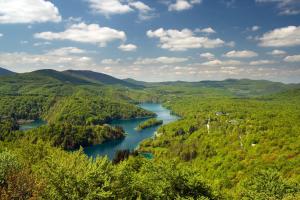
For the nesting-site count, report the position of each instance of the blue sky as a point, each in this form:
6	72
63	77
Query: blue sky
160	40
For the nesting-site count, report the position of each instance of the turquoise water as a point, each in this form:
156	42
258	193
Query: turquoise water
32	125
132	140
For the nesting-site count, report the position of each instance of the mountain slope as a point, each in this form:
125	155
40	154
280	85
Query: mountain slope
4	72
61	76
99	78
136	82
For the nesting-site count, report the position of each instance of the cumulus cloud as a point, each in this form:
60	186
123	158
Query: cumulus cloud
277	52
127	47
231	44
223	63
145	12
181	5
241	54
176	40
28	11
110	61
285	7
207	30
66	51
1	35
262	62
24	62
207	55
294	58
109	7
255	28
85	33
113	7
159	60
37	44
281	37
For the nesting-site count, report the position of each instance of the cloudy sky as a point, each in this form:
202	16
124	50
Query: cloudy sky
154	40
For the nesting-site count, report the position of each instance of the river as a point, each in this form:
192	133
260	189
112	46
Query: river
133	137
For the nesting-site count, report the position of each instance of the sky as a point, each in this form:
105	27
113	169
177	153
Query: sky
154	40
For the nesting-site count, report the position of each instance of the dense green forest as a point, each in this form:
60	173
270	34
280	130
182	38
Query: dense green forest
76	108
149	123
246	137
236	139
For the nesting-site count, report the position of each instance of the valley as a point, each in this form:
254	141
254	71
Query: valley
82	120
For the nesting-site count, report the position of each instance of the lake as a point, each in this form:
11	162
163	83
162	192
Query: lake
133	137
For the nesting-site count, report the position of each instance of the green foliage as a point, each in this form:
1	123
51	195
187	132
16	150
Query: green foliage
70	136
203	155
253	134
85	108
8	163
60	96
267	185
7	126
149	123
71	175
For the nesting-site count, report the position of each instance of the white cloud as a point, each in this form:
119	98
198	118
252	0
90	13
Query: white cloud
212	63
262	62
159	60
66	51
231	44
281	37
255	28
217	62
24	42
28	11
85	59
127	47
241	54
37	44
286	7
1	34
207	30
109	7
176	40
24	62
181	5
277	52
294	58
111	61
145	12
207	55
140	6
113	7
85	33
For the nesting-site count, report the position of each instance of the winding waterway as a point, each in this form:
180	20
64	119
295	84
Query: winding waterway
133	137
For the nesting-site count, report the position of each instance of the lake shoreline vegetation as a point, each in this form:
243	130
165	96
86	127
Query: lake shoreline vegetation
251	152
149	123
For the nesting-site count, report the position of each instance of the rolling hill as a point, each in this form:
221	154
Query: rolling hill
4	72
99	78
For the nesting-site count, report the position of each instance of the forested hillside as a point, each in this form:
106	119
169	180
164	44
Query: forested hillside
64	100
246	148
236	139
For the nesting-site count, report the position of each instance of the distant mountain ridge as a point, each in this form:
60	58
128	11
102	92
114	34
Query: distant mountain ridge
4	72
239	87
